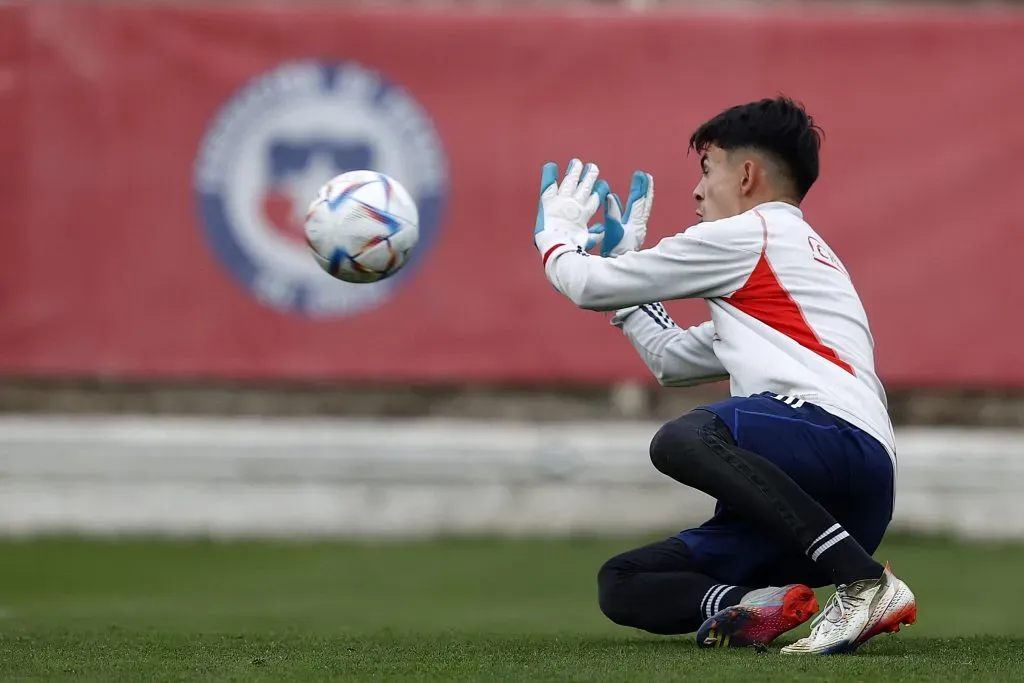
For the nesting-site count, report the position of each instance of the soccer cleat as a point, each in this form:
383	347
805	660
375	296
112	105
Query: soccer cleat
761	617
857	613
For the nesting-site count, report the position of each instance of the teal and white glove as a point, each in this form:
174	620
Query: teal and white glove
622	233
566	208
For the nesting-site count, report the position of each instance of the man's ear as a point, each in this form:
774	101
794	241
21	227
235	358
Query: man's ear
750	173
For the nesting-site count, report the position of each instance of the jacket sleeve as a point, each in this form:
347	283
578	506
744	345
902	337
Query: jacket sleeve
676	357
709	260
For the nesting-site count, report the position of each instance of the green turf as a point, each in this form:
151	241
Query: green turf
451	610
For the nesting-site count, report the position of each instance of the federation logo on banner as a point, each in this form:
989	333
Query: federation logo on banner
281	137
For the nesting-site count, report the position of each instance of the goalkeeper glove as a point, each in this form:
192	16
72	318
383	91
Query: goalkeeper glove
621	233
565	208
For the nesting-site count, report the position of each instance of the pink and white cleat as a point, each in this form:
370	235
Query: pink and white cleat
761	617
857	613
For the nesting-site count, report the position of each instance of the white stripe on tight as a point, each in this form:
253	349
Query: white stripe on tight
819	551
828	532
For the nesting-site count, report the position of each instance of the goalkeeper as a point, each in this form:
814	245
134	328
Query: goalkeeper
801	457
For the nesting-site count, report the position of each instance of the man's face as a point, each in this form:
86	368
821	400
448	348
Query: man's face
718	194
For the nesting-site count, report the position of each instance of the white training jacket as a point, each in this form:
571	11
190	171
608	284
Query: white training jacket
785	316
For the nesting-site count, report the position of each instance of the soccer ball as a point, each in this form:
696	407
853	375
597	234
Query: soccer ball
362	226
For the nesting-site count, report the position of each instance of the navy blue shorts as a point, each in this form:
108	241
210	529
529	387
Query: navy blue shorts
842	467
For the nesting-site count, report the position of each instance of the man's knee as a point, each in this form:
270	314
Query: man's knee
654	588
612	592
626	593
681	445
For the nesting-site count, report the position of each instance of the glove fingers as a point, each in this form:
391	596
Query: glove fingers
548	176
646	203
635	191
548	186
596	198
588	178
613	207
601	190
572	178
596	236
613	230
640	209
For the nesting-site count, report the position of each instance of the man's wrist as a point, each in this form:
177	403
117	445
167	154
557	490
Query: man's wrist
552	241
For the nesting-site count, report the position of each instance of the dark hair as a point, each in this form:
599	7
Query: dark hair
779	128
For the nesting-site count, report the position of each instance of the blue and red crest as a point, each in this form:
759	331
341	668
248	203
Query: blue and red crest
276	142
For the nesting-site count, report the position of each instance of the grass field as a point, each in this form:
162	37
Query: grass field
450	610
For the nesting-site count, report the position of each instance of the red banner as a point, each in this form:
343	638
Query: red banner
154	160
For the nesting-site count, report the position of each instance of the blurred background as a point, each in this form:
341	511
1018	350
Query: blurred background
174	364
